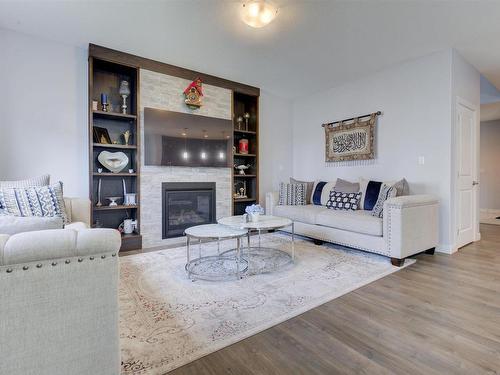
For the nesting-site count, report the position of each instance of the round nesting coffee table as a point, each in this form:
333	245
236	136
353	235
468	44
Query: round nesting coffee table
262	259
215	267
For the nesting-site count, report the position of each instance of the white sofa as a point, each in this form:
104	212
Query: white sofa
409	225
59	298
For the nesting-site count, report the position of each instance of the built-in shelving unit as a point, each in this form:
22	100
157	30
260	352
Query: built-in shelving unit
105	77
246	103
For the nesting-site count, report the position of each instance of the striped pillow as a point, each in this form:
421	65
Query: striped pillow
292	194
43	201
386	192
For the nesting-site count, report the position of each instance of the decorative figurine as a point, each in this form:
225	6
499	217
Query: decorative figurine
113	201
126	136
104	102
124	91
241	168
240	190
239	122
246	115
99	203
193	94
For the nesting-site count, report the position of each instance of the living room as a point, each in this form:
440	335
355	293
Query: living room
254	187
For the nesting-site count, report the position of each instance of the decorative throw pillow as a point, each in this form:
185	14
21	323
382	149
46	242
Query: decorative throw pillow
369	193
321	192
292	194
309	188
36	181
45	201
386	192
402	187
346	186
371	189
343	201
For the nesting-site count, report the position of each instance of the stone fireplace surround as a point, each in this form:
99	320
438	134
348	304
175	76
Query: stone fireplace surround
162	91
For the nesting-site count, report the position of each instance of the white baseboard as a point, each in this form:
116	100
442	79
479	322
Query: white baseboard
446	249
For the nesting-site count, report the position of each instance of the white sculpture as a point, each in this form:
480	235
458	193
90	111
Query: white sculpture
114	161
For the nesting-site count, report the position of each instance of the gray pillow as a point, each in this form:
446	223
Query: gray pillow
402	187
309	188
346	186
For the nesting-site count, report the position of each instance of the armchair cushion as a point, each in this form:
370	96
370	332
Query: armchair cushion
16	224
56	244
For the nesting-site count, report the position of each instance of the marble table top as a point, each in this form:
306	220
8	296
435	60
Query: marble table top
264	222
215	231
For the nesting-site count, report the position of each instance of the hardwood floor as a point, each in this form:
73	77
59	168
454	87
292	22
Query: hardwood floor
439	316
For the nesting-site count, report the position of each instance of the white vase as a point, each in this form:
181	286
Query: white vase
254	217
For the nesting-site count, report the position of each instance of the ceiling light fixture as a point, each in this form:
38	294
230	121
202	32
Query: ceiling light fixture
258	13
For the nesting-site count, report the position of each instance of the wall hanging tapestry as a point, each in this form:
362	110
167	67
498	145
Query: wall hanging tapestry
350	139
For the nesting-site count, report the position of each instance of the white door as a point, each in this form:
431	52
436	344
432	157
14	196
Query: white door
466	165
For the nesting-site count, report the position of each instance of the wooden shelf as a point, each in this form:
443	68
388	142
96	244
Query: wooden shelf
246	155
115	115
244	175
106	174
245	131
111	208
123	147
244	200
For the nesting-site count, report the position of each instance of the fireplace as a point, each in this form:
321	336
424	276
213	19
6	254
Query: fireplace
186	204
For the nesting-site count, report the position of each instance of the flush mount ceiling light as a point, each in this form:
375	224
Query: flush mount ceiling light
258	13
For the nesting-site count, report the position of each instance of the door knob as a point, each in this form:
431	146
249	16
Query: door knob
474	183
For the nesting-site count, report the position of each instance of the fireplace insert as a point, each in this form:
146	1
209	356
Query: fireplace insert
186	204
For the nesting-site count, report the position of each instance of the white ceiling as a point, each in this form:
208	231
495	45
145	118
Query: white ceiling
310	46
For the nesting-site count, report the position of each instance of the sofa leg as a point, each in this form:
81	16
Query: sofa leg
430	251
397	262
318	242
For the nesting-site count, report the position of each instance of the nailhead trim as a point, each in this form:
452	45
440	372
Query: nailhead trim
67	261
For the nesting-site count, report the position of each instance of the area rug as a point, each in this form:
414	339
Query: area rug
167	320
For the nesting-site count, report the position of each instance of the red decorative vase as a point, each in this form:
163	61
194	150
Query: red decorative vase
243	146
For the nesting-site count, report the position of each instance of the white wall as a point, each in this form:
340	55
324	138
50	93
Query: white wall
43	106
415	100
275	148
44	116
490	165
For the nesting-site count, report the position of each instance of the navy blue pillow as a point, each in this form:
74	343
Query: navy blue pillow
316	199
371	194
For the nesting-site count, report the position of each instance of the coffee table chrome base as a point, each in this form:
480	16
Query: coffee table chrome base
216	267
262	259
